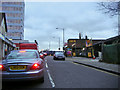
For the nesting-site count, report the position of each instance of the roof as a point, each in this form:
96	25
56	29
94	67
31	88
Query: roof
2	15
112	39
9	42
20	41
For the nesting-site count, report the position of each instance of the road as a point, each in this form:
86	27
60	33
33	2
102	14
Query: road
66	74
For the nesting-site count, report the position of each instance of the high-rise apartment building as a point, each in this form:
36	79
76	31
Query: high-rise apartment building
15	19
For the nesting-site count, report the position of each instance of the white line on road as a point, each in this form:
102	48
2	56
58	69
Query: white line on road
51	80
46	65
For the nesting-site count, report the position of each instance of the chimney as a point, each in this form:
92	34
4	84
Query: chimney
79	35
86	37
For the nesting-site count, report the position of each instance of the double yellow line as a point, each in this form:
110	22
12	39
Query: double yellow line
96	69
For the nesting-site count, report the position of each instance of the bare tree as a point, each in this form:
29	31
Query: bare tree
111	8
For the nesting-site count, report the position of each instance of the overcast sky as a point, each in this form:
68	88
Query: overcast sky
42	19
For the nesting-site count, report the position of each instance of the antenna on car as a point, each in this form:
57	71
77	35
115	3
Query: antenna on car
36	42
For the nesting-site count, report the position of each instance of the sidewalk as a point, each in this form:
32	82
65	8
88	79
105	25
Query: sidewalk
113	68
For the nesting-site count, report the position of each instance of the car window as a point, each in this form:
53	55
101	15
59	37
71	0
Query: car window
60	53
41	54
22	55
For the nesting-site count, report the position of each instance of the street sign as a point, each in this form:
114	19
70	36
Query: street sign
89	54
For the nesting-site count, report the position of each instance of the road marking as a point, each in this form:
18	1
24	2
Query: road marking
97	69
75	63
46	65
51	80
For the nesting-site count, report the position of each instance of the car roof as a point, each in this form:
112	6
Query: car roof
59	53
25	50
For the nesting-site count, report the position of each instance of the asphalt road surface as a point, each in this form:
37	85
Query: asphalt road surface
66	74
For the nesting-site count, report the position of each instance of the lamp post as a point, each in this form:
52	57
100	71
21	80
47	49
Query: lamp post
63	35
49	45
119	18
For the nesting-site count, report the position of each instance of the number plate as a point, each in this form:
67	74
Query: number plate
17	67
59	56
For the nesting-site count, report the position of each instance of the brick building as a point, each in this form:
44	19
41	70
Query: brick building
80	45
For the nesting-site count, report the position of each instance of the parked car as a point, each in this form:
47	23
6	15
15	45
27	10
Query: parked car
50	53
59	55
22	65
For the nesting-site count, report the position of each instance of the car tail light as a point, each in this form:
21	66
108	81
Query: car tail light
41	55
46	54
35	66
2	67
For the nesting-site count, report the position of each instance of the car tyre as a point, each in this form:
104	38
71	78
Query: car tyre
54	58
42	80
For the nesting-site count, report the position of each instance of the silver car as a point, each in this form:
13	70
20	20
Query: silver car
59	55
22	65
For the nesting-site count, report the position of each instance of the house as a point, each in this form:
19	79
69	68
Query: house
81	46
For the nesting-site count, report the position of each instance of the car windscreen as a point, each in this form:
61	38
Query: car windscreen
22	55
41	54
59	53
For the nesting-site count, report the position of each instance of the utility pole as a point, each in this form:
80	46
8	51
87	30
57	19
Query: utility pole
49	45
63	37
119	18
102	46
58	42
63	34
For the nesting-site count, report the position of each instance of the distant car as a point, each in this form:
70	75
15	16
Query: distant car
59	55
22	65
45	54
50	53
42	56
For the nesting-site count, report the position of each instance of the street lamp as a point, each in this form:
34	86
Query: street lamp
49	46
63	35
58	42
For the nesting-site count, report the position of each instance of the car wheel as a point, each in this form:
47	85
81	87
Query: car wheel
42	80
63	58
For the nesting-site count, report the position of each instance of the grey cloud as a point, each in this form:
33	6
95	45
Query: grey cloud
41	25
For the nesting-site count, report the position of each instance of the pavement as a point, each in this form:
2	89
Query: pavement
112	68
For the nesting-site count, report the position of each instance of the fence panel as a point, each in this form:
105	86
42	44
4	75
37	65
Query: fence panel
111	53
